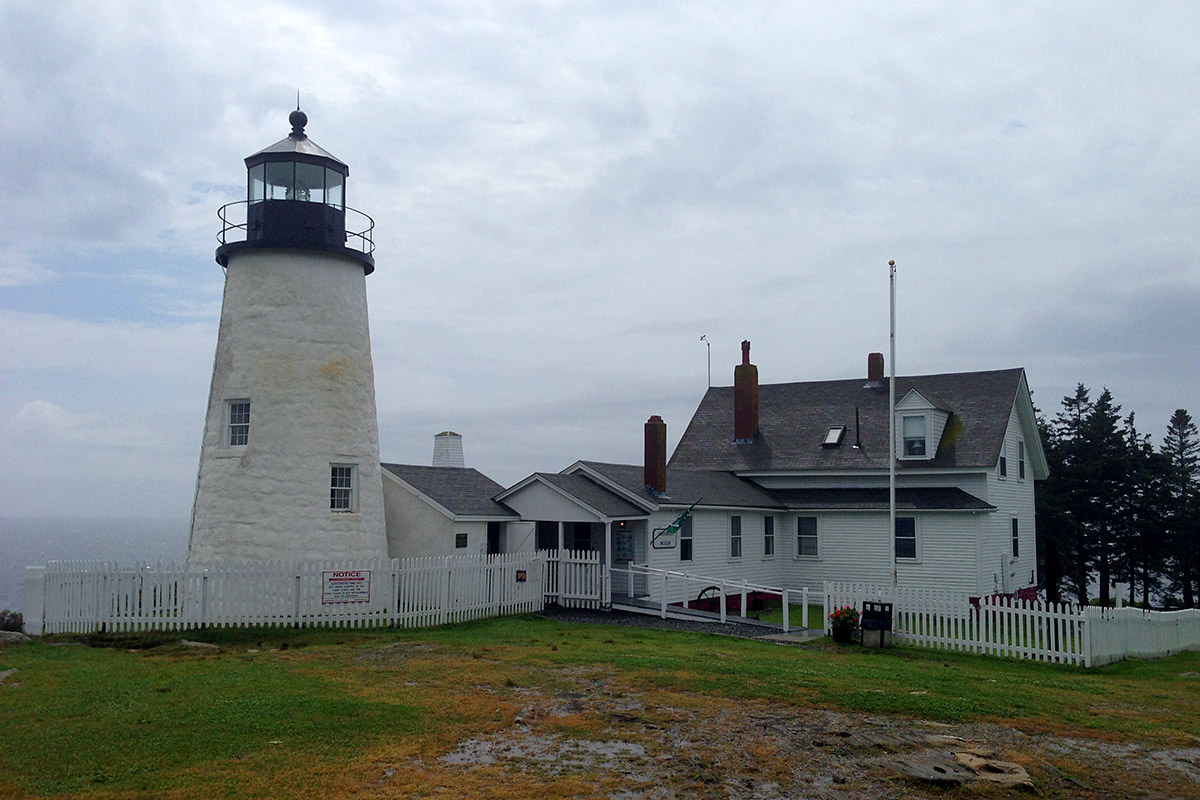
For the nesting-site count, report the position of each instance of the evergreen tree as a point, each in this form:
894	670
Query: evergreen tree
1102	463
1181	453
1138	532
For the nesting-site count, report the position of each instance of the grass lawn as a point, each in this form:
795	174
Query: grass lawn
308	713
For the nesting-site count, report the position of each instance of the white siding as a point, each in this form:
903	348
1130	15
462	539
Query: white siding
1013	498
538	501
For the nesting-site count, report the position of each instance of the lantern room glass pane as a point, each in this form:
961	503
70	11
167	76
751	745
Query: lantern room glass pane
334	189
310	183
280	180
257	190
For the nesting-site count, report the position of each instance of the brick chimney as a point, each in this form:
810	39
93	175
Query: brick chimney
875	367
745	398
656	455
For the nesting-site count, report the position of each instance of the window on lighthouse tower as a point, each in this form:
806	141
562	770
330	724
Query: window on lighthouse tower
239	423
341	487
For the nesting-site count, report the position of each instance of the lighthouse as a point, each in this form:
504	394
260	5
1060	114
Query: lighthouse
289	463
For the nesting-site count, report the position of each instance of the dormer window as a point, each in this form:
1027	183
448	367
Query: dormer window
914	429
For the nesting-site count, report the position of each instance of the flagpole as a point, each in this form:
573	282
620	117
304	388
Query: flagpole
892	430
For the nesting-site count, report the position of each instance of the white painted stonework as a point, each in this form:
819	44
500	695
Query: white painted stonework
293	341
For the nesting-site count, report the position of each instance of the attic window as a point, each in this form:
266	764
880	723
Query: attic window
834	437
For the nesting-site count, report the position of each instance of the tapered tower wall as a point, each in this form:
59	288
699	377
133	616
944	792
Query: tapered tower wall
294	343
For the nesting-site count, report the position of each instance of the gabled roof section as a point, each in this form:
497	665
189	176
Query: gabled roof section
581	490
461	491
795	417
684	487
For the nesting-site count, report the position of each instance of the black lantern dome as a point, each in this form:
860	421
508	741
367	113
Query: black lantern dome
296	198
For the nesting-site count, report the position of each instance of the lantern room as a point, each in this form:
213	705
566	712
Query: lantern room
296	198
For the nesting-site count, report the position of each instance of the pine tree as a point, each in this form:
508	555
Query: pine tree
1181	451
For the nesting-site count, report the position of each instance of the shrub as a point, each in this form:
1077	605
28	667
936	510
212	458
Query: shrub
11	620
844	617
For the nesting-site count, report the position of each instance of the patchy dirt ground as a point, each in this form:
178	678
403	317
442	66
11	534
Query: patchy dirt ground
633	747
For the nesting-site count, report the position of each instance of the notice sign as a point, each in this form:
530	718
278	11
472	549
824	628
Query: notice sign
346	586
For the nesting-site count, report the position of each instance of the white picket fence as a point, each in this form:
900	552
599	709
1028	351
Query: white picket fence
1085	636
575	579
81	597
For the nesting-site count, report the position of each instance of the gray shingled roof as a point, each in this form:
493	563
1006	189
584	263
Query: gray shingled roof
794	418
685	487
462	491
592	494
916	499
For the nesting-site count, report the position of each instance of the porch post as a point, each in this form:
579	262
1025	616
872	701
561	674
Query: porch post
561	536
606	575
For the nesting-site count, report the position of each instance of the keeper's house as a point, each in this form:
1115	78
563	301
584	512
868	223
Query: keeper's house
788	486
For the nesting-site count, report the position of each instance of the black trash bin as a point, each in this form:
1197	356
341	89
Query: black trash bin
876	624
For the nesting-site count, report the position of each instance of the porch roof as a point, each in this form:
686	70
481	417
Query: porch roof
876	499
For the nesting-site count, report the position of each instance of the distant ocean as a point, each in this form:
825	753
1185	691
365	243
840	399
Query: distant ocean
31	541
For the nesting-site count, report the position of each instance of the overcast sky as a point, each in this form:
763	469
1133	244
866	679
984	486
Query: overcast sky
568	195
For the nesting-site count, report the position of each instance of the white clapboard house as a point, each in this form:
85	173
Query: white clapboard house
788	486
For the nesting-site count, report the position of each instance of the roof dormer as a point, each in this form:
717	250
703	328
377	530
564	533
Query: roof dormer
919	425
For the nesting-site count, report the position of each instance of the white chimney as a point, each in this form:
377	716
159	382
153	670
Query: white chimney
447	450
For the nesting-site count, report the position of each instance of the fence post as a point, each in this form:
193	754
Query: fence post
785	609
664	594
34	616
444	592
296	604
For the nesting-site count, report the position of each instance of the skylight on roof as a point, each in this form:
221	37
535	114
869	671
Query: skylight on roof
834	437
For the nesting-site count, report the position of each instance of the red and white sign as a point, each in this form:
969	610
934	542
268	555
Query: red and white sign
346	586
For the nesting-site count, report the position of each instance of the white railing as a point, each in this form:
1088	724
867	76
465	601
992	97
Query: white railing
82	597
662	585
1000	626
575	579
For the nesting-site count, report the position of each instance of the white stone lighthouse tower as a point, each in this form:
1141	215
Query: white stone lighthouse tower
289	465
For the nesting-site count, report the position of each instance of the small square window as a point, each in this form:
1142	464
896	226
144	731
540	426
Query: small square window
460	540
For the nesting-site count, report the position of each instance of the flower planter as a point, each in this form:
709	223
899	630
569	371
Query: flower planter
843	635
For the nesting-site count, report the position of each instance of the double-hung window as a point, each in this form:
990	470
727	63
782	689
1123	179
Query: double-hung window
239	423
1021	459
806	537
914	429
906	537
342	487
735	536
685	539
768	535
1016	539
